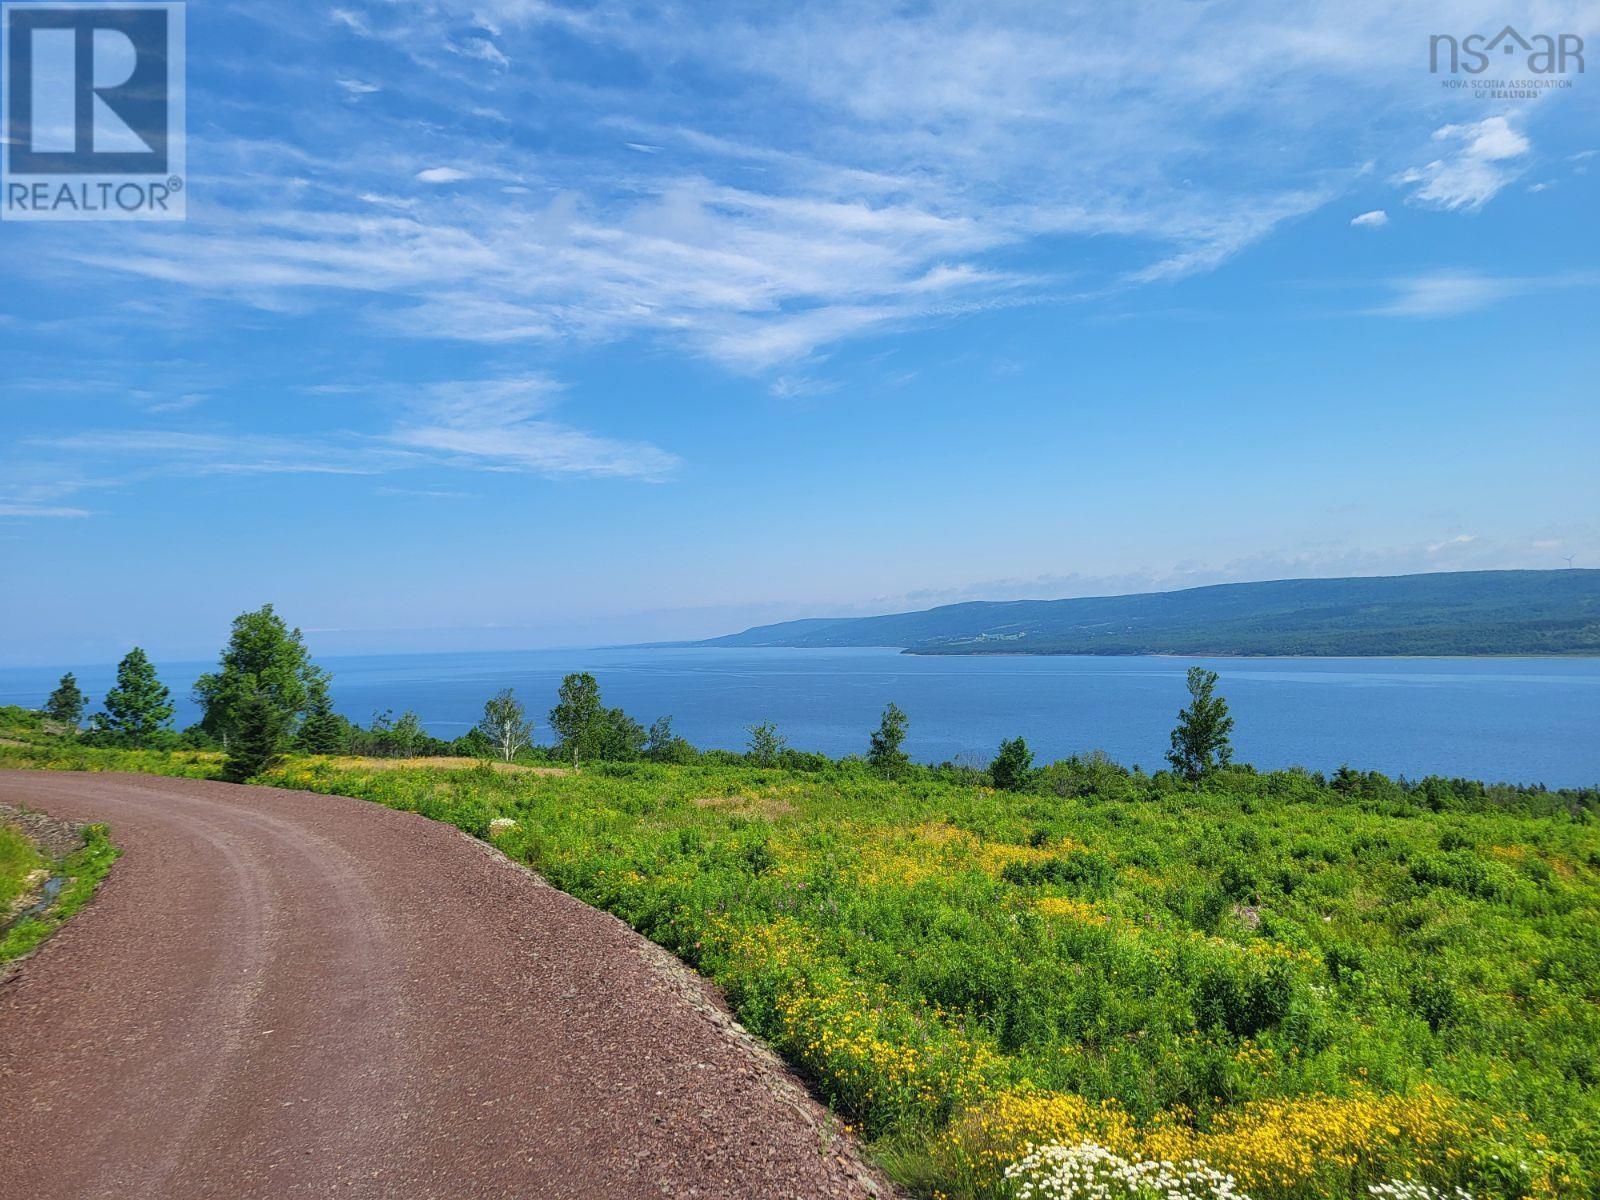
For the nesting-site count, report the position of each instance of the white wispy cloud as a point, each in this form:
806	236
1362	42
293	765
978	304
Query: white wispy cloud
40	510
219	453
1451	545
1483	157
178	403
33	490
500	425
425	493
504	425
1449	293
480	48
908	165
922	152
1375	219
1441	294
746	277
350	20
495	425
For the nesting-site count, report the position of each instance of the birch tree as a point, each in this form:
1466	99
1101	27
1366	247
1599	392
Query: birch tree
506	724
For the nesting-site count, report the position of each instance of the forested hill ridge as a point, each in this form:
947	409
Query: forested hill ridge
1446	613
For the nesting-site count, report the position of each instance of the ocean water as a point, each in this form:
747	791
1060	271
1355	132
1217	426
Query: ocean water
1519	720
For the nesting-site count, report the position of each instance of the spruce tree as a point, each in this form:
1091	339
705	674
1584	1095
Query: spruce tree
323	731
885	754
1200	742
67	703
766	744
139	706
1012	766
263	655
260	733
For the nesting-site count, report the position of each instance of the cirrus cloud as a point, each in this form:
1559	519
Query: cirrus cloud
1483	158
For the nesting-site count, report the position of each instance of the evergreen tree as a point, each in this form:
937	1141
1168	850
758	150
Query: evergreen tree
323	731
67	703
1200	742
139	706
1012	766
260	733
506	724
766	744
885	754
578	718
265	656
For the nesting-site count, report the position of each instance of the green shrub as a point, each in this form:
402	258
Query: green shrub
921	946
1080	869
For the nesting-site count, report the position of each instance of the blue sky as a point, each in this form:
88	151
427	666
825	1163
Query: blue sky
517	323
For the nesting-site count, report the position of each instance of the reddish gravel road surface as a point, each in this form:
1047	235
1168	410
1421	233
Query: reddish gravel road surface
280	994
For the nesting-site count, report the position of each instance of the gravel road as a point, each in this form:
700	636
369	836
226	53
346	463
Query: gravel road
281	994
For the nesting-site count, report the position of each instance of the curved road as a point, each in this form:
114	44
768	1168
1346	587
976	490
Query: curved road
281	994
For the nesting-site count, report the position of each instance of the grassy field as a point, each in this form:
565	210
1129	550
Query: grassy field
1314	988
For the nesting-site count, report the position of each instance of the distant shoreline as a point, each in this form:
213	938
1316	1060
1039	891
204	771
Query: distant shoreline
1553	654
1459	614
912	650
187	665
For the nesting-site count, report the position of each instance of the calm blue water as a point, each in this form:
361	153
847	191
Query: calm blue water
1521	720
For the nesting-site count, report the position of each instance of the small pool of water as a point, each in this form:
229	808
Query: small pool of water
47	896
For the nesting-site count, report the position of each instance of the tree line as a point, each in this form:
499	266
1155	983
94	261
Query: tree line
267	698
